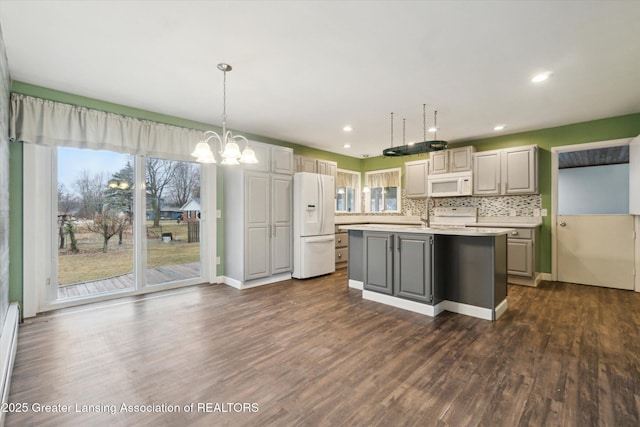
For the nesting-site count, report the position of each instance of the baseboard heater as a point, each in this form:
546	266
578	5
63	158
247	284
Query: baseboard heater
8	346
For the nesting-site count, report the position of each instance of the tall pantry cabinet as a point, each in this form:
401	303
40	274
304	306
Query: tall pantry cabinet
258	220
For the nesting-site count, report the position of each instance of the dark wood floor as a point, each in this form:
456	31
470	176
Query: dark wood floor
314	353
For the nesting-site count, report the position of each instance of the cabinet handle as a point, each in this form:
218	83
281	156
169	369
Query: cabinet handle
339	240
339	255
514	233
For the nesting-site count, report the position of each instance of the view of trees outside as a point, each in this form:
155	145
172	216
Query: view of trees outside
96	216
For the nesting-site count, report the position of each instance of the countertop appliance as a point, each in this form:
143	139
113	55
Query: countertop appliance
313	225
454	216
450	184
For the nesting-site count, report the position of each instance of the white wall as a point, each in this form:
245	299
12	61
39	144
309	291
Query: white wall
594	190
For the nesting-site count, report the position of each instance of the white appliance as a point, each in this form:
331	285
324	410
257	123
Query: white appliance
450	184
313	225
454	217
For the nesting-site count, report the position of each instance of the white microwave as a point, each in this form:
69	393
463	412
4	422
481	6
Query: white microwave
451	184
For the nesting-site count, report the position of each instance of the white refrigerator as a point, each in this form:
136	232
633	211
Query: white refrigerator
313	225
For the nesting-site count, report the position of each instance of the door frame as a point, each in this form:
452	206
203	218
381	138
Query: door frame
554	193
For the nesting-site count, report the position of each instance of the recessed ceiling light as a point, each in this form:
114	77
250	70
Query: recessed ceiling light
499	127
538	78
347	145
347	128
432	129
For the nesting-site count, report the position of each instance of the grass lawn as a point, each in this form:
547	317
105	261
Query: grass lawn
92	264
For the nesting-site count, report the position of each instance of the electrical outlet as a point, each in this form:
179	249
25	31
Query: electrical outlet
513	212
218	260
218	213
543	212
536	212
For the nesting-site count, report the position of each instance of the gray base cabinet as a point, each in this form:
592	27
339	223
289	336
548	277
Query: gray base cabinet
399	265
378	262
414	267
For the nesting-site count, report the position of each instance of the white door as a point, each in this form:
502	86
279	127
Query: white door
594	233
596	250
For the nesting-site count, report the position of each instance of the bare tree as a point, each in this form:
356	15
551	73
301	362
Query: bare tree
159	175
186	182
90	189
108	224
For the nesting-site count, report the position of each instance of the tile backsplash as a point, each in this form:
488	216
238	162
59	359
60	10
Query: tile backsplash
499	206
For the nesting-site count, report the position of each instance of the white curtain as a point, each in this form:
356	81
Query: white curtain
39	121
347	180
384	179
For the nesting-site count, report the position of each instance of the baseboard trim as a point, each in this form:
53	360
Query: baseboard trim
404	304
238	284
355	284
434	310
8	346
545	276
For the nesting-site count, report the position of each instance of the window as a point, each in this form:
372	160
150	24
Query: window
347	191
384	191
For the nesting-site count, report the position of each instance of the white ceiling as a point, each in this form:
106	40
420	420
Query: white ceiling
304	69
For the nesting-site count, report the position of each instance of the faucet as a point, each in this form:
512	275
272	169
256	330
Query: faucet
425	220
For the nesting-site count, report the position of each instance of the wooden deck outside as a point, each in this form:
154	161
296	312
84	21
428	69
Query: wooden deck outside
155	275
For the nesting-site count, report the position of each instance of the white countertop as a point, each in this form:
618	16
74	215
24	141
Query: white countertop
449	231
489	221
377	219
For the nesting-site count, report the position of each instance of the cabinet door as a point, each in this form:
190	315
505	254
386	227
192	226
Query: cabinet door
439	162
520	257
413	267
308	164
519	170
281	160
258	226
460	159
378	262
281	216
415	179
486	173
263	154
323	167
332	169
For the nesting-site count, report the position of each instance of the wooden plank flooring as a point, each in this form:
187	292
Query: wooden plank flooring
155	275
313	353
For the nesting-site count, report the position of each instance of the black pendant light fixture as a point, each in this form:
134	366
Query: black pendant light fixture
418	147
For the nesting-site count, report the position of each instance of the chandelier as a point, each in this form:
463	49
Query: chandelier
229	143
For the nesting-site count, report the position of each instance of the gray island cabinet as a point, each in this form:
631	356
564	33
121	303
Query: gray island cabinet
430	270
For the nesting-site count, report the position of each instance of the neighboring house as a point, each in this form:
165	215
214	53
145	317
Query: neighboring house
191	210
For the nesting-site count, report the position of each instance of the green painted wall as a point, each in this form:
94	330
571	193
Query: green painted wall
597	130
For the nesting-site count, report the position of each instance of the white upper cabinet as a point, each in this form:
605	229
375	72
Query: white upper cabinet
305	164
439	162
415	179
520	170
271	159
486	173
460	159
505	172
451	160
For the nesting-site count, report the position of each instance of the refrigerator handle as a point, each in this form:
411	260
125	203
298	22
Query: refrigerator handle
321	197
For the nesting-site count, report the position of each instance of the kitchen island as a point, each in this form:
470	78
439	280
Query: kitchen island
430	270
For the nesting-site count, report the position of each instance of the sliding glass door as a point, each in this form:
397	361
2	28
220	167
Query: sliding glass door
123	223
172	220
